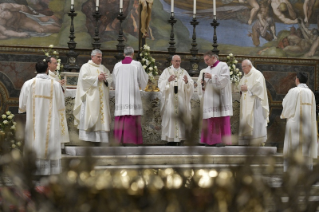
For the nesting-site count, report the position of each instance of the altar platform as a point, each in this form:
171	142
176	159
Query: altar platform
183	157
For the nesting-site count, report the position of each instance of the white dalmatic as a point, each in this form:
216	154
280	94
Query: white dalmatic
128	80
216	100
254	109
43	101
175	107
91	107
299	108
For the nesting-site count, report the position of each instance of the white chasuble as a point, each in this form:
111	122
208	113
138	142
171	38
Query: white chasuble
175	107
299	108
91	107
128	79
53	75
43	101
216	98
254	109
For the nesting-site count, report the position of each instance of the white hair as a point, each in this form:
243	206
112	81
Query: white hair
128	51
248	62
95	51
176	55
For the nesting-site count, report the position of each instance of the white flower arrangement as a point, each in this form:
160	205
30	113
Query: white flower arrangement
234	72
7	132
148	62
7	121
50	52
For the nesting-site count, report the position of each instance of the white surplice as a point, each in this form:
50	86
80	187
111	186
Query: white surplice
254	109
216	100
91	107
299	108
175	108
128	79
43	101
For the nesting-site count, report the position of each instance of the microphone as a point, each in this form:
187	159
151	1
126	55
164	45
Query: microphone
203	78
105	82
175	87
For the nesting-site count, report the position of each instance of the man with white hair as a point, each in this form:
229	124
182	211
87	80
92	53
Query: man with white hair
177	88
91	107
214	90
128	78
254	108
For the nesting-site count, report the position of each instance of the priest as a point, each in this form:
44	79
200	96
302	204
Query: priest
214	90
177	88
128	77
52	66
46	129
91	107
299	108
254	107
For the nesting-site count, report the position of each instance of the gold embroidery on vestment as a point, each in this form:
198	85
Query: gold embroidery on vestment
49	121
41	96
33	108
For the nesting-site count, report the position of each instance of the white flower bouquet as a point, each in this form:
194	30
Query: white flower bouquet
7	133
148	62
50	52
235	74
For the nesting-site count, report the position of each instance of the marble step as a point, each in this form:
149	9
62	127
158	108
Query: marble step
257	169
260	164
170	150
131	160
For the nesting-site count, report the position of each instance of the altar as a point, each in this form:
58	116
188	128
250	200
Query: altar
151	120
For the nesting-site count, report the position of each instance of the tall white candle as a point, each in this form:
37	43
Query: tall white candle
194	9
97	3
72	1
214	7
121	4
172	6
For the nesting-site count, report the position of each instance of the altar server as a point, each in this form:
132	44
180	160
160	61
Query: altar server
214	90
129	77
177	88
91	107
46	129
299	108
254	107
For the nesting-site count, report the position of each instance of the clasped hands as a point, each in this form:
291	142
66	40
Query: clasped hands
102	76
243	88
62	82
173	77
